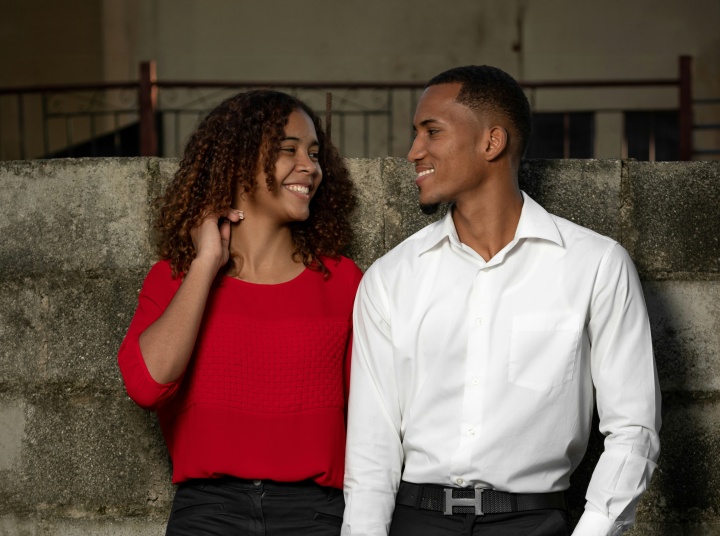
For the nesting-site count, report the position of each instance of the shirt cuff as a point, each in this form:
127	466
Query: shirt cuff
595	524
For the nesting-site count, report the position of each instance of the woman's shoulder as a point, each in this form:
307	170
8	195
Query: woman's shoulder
160	276
161	270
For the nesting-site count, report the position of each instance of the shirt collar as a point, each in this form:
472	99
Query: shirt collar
442	230
535	222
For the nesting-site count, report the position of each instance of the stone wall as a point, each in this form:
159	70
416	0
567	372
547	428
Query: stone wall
77	457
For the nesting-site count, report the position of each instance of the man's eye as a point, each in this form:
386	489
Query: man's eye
432	131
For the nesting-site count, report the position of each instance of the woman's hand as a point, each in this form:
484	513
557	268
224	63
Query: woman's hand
211	237
167	344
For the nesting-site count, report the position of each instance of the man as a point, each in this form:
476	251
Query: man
478	340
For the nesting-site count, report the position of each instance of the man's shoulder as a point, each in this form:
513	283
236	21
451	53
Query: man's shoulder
573	233
411	246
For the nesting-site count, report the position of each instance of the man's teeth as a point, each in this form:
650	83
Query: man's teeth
426	172
305	190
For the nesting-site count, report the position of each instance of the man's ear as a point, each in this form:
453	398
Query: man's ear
496	141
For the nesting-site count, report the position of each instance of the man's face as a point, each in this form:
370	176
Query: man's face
447	148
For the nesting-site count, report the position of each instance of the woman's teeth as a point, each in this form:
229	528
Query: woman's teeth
305	190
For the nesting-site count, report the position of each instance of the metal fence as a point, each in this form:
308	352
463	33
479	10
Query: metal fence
153	118
365	121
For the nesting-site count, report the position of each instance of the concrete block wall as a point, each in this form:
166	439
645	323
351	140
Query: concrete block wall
77	457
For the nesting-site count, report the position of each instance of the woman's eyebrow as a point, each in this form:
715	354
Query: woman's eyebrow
295	138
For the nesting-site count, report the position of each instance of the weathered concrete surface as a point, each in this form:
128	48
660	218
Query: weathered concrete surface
65	327
84	453
686	487
12	424
70	215
671	225
402	214
586	192
78	457
108	526
367	174
685	322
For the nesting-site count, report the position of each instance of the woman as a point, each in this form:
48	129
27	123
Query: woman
241	338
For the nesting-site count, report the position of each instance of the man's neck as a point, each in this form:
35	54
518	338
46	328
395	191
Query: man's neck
487	222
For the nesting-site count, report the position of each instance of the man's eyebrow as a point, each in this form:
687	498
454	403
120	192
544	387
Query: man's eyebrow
426	122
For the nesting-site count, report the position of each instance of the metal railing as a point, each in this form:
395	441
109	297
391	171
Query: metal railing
368	119
707	127
150	117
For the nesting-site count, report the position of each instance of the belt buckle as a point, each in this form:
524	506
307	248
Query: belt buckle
451	501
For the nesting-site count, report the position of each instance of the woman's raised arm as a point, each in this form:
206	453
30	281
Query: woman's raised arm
168	343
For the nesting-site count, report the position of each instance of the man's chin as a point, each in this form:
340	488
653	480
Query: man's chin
429	209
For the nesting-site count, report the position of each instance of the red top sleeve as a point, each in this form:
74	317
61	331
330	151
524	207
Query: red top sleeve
157	291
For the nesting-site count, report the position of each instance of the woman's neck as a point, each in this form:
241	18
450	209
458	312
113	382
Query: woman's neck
262	253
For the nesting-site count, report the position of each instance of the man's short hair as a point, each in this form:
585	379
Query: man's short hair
488	89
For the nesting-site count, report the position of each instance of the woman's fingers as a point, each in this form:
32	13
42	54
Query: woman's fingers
211	237
225	237
206	237
234	215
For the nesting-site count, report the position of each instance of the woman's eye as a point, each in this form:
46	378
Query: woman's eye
314	155
290	150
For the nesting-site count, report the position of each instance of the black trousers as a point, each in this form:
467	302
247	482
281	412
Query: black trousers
408	521
230	506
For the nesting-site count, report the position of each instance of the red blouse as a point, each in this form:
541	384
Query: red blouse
265	393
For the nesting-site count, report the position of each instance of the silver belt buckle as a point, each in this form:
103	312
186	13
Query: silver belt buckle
451	501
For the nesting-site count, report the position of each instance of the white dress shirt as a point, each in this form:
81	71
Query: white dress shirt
473	373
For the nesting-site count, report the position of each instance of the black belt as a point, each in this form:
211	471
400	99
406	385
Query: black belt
478	501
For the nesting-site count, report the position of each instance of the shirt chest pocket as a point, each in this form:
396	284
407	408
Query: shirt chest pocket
543	349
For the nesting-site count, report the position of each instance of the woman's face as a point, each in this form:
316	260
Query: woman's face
297	175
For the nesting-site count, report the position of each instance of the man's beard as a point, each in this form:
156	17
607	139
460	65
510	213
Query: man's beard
429	209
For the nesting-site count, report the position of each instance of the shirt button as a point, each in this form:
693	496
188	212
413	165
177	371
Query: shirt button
460	481
479	321
471	432
476	381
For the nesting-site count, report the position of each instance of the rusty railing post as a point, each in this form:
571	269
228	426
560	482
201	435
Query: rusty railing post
686	111
148	106
328	115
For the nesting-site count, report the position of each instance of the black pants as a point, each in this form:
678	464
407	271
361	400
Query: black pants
408	521
229	506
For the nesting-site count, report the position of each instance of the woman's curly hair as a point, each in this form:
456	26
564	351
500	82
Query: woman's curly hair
222	155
